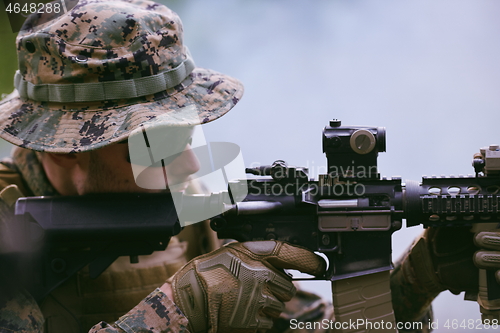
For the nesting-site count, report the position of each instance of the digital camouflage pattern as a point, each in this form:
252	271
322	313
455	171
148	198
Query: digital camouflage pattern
156	313
88	78
26	162
20	314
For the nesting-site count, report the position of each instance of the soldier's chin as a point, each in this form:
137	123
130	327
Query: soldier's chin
181	187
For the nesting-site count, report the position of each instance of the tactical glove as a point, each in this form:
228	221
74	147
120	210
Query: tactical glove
440	259
451	251
489	258
241	286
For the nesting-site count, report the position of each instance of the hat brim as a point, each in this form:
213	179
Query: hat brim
202	97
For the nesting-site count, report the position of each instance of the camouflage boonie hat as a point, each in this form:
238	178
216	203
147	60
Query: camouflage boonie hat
91	76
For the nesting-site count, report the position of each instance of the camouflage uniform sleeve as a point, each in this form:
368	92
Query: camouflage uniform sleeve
411	297
20	314
155	314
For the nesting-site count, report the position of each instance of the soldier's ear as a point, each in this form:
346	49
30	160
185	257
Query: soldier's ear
62	160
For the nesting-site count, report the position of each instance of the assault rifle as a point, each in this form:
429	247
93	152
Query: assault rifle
350	214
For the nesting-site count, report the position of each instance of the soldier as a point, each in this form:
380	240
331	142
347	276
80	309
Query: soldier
89	78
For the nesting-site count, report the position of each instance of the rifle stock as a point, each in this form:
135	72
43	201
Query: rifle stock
67	233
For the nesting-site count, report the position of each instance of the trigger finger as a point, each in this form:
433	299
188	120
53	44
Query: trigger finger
488	240
301	259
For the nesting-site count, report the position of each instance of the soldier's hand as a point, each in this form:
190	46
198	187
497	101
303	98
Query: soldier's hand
445	255
456	258
241	286
489	255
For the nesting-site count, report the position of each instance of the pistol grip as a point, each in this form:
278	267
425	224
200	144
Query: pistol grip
363	299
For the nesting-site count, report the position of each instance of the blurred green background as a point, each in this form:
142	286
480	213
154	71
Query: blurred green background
8	64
